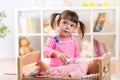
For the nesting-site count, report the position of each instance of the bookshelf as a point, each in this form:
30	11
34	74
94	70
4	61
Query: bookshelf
33	23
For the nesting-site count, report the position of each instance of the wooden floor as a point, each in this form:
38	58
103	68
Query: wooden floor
10	66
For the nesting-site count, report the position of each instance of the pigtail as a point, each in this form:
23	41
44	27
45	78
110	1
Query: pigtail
53	21
82	28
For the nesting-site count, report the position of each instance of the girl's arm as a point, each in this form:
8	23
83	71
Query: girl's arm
49	46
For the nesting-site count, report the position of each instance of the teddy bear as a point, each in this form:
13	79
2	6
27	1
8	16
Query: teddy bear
24	46
47	27
86	49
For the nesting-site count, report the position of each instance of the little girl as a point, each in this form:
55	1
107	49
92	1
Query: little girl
63	46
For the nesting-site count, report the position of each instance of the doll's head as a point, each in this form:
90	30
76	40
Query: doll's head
93	66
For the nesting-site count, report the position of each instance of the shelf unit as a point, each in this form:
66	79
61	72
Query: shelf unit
40	18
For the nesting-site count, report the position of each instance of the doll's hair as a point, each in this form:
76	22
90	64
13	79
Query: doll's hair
69	15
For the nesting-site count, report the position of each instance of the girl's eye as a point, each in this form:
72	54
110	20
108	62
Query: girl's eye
72	26
65	23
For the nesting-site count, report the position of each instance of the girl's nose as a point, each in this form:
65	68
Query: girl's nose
67	26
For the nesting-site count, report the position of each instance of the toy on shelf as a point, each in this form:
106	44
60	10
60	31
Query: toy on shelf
100	22
94	4
24	46
47	27
86	49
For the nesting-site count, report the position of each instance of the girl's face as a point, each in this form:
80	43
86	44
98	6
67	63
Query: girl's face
66	27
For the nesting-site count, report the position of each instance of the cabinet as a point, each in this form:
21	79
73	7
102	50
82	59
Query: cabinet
33	23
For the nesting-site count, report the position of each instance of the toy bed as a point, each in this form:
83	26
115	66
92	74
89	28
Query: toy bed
104	69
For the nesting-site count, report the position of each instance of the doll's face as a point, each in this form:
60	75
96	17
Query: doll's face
93	66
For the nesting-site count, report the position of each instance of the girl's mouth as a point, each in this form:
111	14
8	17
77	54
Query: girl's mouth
66	31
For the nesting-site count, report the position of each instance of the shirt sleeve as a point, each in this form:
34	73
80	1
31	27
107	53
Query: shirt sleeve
49	46
77	50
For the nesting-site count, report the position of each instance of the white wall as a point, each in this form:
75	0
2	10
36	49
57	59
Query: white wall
7	48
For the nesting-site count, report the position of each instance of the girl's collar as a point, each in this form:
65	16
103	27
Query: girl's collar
58	40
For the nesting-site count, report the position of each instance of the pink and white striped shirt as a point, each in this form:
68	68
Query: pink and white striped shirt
68	46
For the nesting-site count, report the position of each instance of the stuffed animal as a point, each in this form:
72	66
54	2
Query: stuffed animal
24	46
86	49
47	27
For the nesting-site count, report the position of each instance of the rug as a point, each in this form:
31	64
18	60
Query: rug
8	77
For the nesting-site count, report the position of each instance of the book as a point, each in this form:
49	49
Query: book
95	48
99	48
27	25
22	25
100	22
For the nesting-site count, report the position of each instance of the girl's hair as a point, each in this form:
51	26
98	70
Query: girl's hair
69	15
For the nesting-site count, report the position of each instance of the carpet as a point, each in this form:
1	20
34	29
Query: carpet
8	77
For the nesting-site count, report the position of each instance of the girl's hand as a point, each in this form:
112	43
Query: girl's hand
61	56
